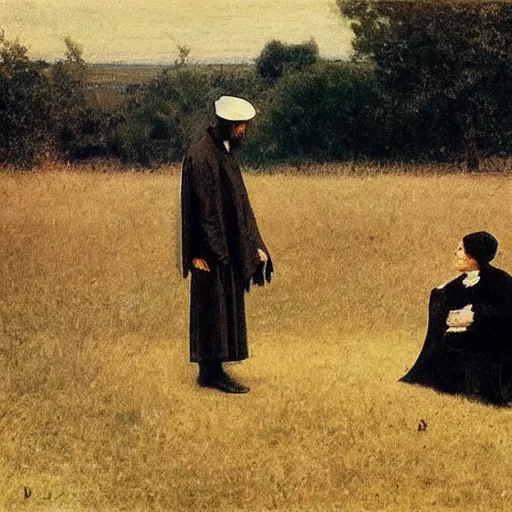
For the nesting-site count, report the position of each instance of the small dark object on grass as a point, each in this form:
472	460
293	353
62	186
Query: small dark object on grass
422	426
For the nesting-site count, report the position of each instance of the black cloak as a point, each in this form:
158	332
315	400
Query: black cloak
478	361
219	226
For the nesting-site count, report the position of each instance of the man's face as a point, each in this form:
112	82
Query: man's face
464	262
238	131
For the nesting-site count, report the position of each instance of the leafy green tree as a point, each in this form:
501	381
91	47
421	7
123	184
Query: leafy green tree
24	106
163	116
183	53
43	108
67	81
79	131
276	58
326	112
456	55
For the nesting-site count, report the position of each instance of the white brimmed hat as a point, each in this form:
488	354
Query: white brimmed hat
232	108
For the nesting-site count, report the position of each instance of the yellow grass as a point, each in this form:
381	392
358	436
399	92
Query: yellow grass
99	407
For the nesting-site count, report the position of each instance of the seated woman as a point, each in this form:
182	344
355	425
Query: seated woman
468	346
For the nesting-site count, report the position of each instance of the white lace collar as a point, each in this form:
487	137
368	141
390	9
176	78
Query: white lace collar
472	277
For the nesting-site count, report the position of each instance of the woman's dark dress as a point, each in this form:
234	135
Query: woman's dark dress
477	362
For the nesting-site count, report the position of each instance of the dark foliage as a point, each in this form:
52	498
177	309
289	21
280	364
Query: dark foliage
162	116
429	82
24	106
277	58
331	111
43	111
446	66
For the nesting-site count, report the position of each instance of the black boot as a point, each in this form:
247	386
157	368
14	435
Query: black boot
209	373
212	375
231	385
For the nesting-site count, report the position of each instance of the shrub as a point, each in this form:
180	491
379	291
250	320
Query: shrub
330	111
24	106
163	116
277	58
43	108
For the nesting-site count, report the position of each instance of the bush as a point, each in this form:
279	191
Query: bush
24	106
67	81
43	109
330	111
163	116
79	132
277	58
236	80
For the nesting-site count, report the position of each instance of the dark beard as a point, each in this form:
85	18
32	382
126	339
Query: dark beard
235	144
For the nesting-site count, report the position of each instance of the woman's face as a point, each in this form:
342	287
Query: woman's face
464	262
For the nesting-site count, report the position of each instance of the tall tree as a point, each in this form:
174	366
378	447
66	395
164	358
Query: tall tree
24	105
68	81
456	53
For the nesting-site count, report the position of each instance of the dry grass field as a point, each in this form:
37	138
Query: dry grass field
99	410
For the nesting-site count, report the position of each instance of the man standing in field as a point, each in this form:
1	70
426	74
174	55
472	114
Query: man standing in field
221	245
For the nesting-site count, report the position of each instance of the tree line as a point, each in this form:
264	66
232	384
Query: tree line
428	81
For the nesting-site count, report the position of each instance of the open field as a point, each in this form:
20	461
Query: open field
112	74
125	74
98	405
108	84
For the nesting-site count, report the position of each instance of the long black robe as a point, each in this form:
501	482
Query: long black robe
477	362
219	226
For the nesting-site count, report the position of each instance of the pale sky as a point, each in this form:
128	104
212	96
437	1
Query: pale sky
149	31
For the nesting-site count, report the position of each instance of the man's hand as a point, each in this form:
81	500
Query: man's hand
461	317
200	264
262	255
